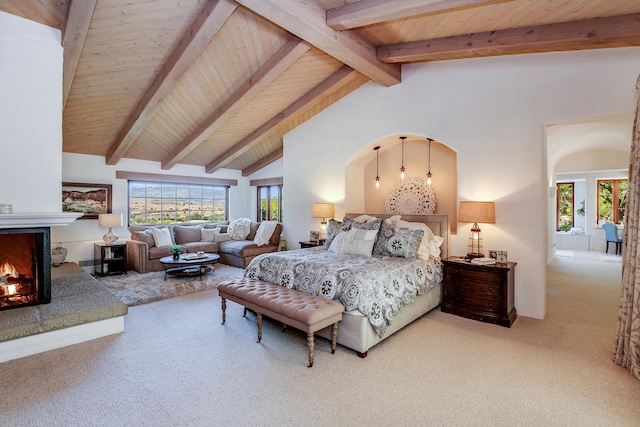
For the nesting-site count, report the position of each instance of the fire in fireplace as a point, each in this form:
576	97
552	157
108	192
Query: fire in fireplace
25	267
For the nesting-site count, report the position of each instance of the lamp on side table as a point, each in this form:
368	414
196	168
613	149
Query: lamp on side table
110	220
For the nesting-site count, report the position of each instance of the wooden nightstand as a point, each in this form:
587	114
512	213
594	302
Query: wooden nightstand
313	244
479	292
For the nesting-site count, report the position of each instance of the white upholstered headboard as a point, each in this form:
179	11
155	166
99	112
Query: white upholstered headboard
439	224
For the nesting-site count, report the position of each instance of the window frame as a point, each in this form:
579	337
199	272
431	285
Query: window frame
573	206
191	186
268	198
615	200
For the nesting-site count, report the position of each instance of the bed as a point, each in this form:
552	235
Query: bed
381	294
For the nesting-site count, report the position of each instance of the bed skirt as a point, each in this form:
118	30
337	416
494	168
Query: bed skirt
355	331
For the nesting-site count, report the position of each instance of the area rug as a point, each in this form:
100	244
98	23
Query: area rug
135	288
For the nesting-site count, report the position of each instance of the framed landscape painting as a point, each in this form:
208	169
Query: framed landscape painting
90	199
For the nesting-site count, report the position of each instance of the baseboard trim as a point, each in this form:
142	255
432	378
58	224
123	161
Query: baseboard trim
39	343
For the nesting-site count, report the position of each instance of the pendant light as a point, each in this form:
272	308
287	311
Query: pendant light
377	177
402	166
429	170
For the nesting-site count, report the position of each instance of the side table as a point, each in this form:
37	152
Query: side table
311	244
479	292
111	259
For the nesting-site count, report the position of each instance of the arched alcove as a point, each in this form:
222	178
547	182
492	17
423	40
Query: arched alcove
361	172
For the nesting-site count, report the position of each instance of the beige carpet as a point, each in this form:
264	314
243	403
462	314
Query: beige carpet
135	288
176	365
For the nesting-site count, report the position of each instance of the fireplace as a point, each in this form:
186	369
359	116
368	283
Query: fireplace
25	267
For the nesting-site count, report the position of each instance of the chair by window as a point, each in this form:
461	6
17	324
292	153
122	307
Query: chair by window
611	233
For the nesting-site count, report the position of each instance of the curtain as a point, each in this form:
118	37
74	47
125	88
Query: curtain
627	348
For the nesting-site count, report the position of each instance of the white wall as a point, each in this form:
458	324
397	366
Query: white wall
492	112
79	237
30	115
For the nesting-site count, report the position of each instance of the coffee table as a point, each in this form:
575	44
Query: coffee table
186	266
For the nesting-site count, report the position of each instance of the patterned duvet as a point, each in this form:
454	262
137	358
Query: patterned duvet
376	286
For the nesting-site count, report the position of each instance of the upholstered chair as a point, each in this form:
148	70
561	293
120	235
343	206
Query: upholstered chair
611	234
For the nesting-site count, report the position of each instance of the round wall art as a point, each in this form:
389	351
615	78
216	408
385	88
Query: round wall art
411	197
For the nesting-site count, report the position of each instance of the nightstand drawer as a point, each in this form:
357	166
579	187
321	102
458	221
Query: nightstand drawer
475	301
458	283
471	274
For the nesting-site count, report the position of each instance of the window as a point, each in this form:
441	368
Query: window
166	202
612	196
564	206
270	203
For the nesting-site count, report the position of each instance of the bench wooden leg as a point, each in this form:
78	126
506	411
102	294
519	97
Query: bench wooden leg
311	345
224	309
259	326
334	337
244	314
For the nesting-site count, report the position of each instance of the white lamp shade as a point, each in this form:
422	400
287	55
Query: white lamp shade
110	220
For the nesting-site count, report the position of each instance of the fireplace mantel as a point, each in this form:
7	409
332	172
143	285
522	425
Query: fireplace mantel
24	220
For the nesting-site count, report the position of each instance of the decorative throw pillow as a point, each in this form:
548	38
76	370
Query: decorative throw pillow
209	234
335	227
222	237
354	242
145	236
187	233
161	236
369	225
430	244
338	242
397	241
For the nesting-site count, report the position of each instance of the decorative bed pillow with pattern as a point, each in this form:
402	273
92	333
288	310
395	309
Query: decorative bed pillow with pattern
335	227
430	245
356	241
397	241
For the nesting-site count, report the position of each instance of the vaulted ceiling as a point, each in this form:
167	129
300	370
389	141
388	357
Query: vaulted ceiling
217	83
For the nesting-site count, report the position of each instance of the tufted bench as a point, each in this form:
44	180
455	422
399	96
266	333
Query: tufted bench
306	312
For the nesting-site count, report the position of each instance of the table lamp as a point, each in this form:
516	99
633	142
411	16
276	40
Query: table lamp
110	220
324	211
476	212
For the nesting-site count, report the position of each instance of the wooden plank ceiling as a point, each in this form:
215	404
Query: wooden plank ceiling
217	83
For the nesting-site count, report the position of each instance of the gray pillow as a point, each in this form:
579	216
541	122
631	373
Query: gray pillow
187	234
371	225
145	236
334	227
397	241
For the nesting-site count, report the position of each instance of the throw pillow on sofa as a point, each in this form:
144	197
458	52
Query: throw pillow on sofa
209	234
145	236
187	233
161	236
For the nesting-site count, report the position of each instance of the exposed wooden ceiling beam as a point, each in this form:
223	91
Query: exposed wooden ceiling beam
615	31
75	32
337	79
307	20
213	16
267	160
368	12
285	57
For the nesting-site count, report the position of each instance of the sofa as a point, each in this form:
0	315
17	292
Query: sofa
143	255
